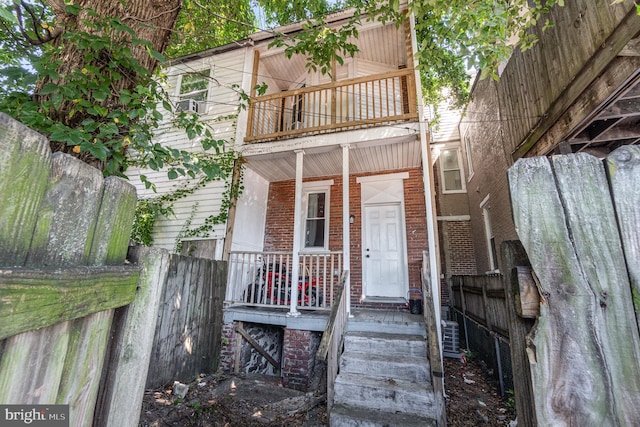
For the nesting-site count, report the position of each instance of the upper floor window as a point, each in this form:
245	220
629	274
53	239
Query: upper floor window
194	90
451	174
316	215
467	148
492	253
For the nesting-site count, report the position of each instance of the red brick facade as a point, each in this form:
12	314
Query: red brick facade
279	225
298	357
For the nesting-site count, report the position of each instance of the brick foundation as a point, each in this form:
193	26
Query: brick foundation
227	349
298	357
298	354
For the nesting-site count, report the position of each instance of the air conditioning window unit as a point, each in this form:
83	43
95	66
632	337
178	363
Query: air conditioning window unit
188	105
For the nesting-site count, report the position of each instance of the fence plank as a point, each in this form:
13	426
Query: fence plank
85	357
587	325
33	299
62	236
624	170
25	159
123	377
513	255
193	295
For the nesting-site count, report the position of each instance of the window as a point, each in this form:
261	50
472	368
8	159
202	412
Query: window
491	240
315	222
316	215
451	172
467	147
194	89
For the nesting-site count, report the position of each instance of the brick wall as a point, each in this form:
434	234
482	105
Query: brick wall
462	258
299	349
279	226
298	357
491	159
227	349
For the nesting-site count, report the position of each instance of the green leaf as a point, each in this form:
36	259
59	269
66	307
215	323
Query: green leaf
8	16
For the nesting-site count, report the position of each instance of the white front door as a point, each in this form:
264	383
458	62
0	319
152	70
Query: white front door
384	263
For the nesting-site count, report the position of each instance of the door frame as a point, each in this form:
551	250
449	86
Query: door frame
387	189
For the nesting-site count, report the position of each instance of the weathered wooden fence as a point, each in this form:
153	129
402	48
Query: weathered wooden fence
577	219
482	299
189	328
77	324
64	233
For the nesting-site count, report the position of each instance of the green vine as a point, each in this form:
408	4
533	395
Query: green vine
149	210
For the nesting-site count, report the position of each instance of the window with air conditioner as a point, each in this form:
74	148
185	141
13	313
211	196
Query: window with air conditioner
193	93
451	175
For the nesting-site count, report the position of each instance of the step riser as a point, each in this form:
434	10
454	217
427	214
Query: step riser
386	328
393	400
382	346
342	416
386	369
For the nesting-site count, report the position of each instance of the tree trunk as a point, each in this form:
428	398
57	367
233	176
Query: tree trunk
151	20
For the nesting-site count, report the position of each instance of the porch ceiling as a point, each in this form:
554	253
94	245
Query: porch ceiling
379	44
327	161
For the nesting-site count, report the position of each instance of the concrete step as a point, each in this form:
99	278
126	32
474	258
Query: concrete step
347	416
410	368
387	327
387	344
394	395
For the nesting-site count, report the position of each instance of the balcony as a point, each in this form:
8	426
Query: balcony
337	106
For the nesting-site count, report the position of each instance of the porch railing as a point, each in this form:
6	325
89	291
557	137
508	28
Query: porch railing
329	348
432	320
346	104
264	278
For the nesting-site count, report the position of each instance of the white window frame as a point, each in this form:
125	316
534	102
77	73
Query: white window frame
467	149
201	105
309	188
492	250
463	181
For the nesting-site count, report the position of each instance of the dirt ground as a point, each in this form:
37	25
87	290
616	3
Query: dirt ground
224	400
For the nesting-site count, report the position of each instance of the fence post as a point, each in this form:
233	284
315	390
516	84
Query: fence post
586	343
127	359
513	255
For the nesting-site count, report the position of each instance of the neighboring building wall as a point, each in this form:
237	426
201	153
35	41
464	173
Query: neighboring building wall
523	113
454	223
279	227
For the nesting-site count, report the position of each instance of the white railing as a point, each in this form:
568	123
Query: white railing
431	305
264	279
329	348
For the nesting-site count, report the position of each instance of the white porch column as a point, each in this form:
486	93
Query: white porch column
429	197
297	232
346	225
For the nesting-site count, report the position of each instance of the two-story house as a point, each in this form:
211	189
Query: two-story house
336	177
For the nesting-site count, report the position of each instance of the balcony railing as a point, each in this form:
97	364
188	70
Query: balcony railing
264	279
346	104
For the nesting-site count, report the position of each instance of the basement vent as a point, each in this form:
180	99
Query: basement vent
450	339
